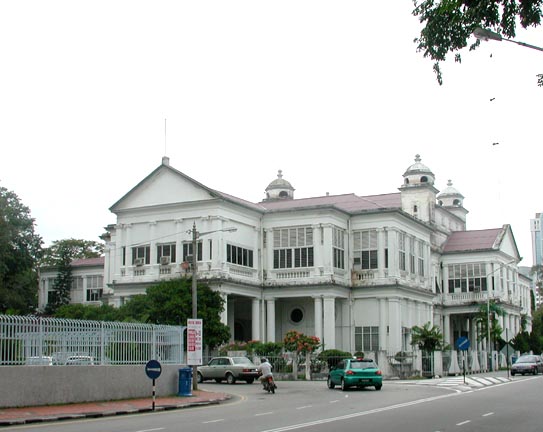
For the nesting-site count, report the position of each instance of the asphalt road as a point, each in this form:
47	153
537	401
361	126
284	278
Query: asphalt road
311	406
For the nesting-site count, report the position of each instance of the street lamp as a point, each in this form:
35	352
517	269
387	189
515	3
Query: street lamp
487	34
195	236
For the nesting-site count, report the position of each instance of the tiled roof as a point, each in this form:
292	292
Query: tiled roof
460	241
347	202
88	262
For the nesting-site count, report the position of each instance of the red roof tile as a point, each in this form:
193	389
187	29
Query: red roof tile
87	262
472	240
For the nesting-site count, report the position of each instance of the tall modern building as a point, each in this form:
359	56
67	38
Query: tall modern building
356	271
537	251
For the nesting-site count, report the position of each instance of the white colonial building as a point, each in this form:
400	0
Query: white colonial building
357	271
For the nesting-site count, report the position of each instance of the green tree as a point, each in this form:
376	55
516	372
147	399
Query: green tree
20	250
449	24
170	302
483	317
60	250
62	284
428	337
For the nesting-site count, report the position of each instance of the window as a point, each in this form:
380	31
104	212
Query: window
412	255
141	255
401	251
467	278
293	247
239	255
338	248
77	283
366	338
187	251
365	249
95	287
124	255
421	259
167	251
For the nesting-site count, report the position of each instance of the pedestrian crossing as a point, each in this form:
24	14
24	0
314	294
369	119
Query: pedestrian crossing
471	381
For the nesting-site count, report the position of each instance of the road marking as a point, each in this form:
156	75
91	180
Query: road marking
304	407
149	430
261	414
488	414
334	401
463	423
360	414
213	421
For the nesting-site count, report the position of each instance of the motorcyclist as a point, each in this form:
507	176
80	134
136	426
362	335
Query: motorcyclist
265	370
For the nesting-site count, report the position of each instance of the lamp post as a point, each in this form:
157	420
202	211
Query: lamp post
195	236
487	34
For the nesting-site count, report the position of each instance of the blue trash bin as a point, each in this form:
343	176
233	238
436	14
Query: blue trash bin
185	382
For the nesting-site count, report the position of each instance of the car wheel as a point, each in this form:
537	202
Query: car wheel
535	372
199	378
218	380
343	385
378	386
230	379
331	385
512	373
250	380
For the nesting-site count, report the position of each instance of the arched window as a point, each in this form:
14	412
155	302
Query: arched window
457	202
406	181
415	208
283	194
424	179
440	203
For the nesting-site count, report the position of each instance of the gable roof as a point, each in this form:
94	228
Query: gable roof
480	240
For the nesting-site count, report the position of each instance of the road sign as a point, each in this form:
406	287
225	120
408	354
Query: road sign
462	343
194	342
153	369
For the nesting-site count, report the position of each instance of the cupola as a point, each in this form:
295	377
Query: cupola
418	174
453	201
279	189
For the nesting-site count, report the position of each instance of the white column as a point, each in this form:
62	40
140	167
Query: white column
270	317
152	245
383	319
393	269
329	337
394	323
381	253
255	320
230	319
224	313
447	329
318	317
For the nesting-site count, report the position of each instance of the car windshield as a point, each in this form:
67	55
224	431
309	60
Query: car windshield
364	364
526	359
241	360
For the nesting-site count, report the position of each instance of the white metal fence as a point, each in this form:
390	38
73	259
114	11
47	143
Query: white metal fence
34	340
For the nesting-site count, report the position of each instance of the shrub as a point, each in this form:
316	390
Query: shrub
332	357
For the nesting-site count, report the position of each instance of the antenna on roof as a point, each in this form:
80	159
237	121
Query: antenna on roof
165	136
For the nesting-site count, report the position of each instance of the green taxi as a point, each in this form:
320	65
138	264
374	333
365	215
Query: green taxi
356	372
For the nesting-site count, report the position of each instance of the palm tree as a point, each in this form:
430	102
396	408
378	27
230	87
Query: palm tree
428	338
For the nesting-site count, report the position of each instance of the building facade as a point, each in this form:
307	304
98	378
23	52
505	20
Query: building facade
356	271
87	282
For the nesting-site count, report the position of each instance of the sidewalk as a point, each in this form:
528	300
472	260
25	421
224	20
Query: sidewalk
18	416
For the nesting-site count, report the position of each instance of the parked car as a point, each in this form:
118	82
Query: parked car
39	361
356	372
230	369
527	364
80	360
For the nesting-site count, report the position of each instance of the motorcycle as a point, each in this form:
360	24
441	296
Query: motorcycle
269	384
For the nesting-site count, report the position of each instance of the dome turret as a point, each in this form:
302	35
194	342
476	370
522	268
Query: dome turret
279	189
418	173
450	197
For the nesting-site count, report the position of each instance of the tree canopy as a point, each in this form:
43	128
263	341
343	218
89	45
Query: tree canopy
71	249
427	337
449	24
20	250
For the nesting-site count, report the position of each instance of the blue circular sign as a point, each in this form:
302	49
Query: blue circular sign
462	343
153	369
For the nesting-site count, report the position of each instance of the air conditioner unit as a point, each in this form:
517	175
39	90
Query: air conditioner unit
165	260
138	262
